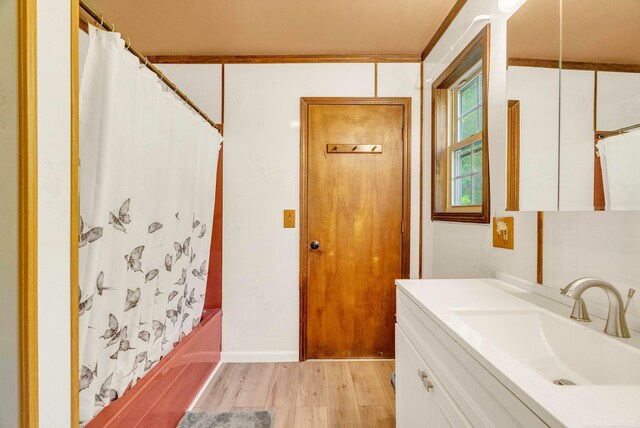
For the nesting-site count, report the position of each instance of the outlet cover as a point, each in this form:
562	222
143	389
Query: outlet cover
503	232
289	219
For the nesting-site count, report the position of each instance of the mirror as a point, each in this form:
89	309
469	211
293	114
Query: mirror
574	129
533	83
600	105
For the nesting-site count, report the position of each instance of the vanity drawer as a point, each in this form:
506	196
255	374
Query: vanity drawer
421	399
482	398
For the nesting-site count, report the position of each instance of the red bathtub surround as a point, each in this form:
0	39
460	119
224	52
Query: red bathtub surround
213	297
160	399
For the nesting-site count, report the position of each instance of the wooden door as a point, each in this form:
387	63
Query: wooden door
354	204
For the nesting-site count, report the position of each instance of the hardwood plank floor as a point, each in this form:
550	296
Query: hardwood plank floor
310	394
283	385
367	384
341	394
226	385
312	386
255	387
385	370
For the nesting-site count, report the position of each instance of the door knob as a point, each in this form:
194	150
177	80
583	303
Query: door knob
314	245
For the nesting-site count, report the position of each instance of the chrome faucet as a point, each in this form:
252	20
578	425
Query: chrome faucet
616	323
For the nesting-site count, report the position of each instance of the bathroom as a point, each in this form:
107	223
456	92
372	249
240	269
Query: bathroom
333	223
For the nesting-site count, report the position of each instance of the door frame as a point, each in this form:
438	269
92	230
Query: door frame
305	103
28	214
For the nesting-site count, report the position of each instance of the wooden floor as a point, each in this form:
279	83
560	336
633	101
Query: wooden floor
308	394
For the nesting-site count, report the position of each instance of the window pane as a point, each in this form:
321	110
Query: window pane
462	191
479	79
462	161
468	125
477	156
469	97
477	190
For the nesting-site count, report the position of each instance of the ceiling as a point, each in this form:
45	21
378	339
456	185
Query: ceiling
276	27
603	31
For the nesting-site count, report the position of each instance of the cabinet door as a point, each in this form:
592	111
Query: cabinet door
421	399
412	399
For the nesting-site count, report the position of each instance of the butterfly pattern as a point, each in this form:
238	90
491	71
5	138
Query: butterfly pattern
91	235
118	221
203	231
118	337
182	249
151	275
133	259
84	305
100	284
146	208
106	394
202	272
153	227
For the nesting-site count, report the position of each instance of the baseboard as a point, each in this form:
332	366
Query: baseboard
259	357
204	387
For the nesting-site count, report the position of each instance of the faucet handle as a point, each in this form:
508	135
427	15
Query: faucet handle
580	312
630	294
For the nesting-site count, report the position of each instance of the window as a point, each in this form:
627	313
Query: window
459	141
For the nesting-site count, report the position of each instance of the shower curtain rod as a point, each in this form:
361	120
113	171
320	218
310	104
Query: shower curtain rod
145	61
608	134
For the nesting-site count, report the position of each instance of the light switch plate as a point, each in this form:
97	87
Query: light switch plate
289	218
503	232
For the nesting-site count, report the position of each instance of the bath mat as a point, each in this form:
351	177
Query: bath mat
262	419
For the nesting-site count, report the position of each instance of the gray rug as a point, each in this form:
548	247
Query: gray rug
227	420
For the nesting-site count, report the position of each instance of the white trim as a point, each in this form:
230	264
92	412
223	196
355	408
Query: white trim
204	387
260	357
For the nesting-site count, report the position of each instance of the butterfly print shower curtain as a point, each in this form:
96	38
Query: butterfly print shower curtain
147	185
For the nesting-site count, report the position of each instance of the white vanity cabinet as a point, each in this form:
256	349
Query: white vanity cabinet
422	401
439	384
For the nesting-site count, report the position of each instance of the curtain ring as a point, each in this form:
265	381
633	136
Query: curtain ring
128	44
101	21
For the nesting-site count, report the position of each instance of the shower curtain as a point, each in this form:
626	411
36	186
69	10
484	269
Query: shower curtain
147	185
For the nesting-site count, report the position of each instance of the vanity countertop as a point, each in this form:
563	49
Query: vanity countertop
589	405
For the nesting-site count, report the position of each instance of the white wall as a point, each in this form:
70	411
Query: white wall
537	89
202	83
576	244
54	137
403	80
465	250
618	100
9	368
262	135
261	158
576	141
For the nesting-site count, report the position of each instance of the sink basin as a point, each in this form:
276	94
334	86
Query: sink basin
551	346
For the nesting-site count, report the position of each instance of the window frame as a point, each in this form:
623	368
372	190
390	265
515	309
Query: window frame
473	60
455	144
